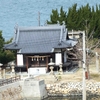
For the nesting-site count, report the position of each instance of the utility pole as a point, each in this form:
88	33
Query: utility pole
39	18
84	68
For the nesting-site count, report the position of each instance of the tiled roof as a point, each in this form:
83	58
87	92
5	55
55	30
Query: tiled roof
40	39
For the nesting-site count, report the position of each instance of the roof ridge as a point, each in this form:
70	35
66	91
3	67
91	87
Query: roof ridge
63	33
41	28
17	36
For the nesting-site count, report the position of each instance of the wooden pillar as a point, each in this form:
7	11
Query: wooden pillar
4	73
65	56
16	59
47	64
27	63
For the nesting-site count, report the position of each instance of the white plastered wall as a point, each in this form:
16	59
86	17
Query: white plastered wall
19	59
58	58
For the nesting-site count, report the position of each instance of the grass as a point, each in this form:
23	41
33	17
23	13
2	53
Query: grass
95	76
74	77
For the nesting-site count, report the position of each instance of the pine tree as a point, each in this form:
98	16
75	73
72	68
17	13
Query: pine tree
72	17
62	16
83	18
54	17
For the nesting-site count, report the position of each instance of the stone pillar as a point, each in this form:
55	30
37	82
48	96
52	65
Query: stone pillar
61	70
97	62
13	71
0	73
4	74
51	68
80	64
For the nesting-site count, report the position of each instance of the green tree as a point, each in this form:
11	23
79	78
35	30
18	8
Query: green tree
62	16
9	41
54	17
72	18
5	55
84	18
1	41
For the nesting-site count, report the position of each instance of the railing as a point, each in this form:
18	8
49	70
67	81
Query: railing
10	80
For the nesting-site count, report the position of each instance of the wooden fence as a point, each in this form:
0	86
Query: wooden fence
10	80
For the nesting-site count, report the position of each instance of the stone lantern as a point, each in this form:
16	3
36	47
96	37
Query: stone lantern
4	73
12	67
60	70
0	71
51	64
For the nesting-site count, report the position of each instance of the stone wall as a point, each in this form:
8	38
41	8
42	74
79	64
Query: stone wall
11	91
23	89
72	88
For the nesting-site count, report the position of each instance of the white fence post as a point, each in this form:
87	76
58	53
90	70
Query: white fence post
97	62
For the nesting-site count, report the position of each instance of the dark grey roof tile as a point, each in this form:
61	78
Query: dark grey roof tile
39	39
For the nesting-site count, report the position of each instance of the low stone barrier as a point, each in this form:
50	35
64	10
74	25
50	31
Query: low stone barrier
23	89
11	91
27	89
72	89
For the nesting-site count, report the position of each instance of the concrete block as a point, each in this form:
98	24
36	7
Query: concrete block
34	88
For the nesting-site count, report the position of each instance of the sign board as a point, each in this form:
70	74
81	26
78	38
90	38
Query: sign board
36	71
19	59
58	58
